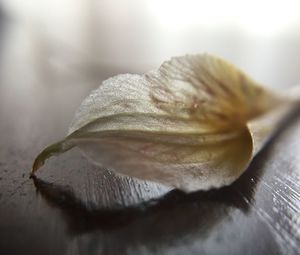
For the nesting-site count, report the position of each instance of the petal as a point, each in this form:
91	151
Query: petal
209	89
188	162
190	125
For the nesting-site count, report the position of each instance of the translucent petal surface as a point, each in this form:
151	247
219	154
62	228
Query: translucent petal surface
195	123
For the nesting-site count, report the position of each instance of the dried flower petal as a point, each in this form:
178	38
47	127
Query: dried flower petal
194	124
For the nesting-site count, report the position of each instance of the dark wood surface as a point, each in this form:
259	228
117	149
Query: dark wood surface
74	207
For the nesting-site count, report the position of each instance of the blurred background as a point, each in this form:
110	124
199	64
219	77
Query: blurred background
71	42
57	49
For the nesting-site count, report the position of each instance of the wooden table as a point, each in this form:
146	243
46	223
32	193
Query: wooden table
76	208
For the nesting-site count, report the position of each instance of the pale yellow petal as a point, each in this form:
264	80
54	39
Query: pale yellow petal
193	124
